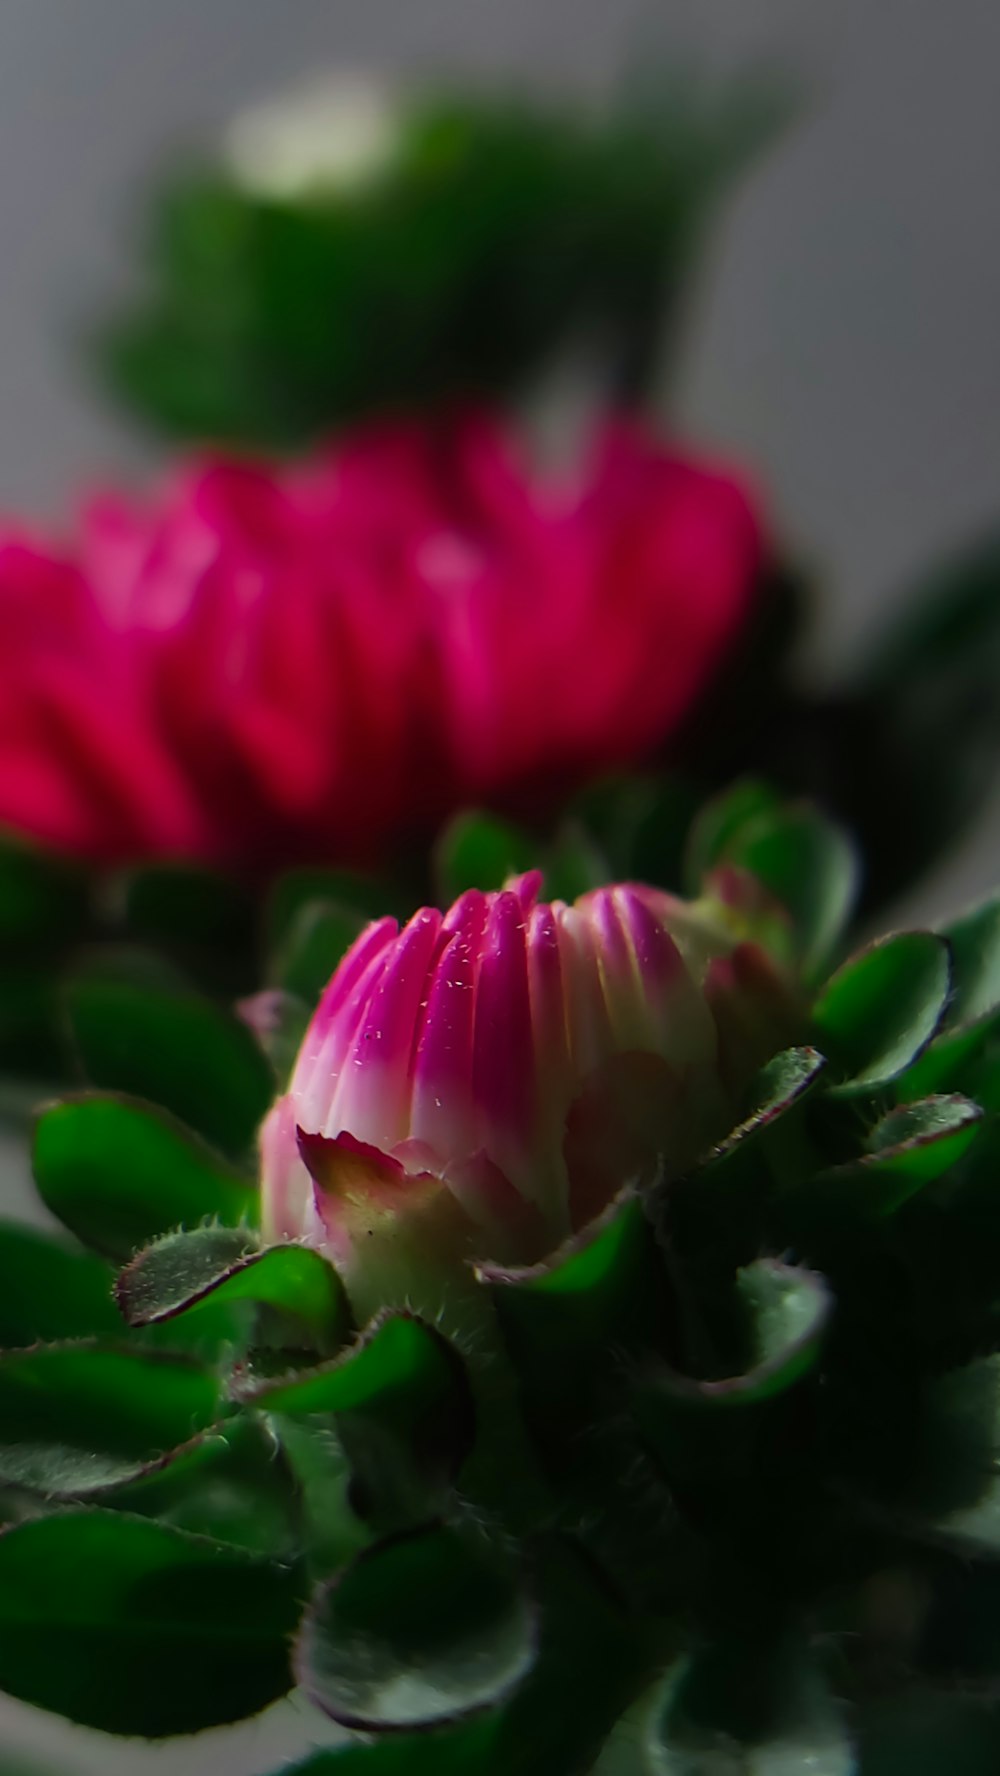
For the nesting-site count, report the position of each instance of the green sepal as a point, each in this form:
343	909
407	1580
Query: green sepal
133	1627
119	1173
51	1290
750	1705
403	1411
423	1629
221	1266
176	1049
81	1418
878	1013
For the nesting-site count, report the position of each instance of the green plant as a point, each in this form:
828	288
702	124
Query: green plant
713	1488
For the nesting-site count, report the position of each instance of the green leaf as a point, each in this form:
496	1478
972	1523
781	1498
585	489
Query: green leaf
119	1174
752	1709
639	824
317	940
454	1751
974	940
420	1630
49	1290
571	1323
204	917
906	1150
573	863
923	1733
403	1408
966	1060
175	1049
220	1266
80	1418
784	1082
954	1489
478	851
882	1008
42	898
716	830
232	1483
135	1628
366	897
786	1311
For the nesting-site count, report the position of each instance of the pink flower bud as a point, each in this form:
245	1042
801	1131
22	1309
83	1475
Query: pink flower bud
481	1083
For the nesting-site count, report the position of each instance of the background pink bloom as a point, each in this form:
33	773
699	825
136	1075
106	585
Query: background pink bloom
278	665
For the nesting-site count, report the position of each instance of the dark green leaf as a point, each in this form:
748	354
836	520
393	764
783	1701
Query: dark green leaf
319	936
50	1290
454	1751
41	897
715	833
882	1008
780	1085
478	851
79	1418
294	892
420	1630
204	917
752	1709
569	1325
174	1049
974	940
810	867
135	1628
221	1265
403	1409
965	1059
785	1311
232	1483
639	824
924	1734
955	1484
906	1150
119	1174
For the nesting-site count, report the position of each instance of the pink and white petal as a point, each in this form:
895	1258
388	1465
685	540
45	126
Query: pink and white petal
373	1102
503	1070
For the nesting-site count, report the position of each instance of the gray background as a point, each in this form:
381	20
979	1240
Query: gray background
846	343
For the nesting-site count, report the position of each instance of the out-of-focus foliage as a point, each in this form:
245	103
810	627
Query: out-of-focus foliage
486	237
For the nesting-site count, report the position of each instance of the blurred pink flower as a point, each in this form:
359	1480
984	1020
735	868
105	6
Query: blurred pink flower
482	1083
280	665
